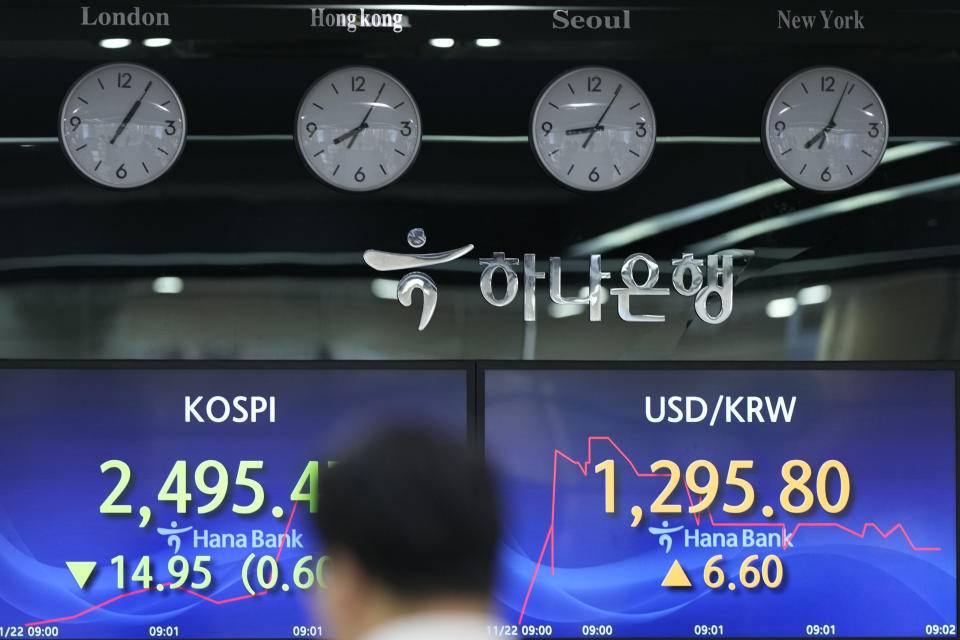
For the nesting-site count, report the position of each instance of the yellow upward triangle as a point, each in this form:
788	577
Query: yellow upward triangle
81	571
676	577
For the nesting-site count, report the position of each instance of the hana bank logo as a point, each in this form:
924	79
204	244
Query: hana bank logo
173	535
665	533
706	281
388	261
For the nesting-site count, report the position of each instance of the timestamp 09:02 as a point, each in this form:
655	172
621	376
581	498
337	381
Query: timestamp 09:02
940	630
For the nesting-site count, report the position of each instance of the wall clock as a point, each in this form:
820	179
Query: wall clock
122	125
358	128
825	129
593	129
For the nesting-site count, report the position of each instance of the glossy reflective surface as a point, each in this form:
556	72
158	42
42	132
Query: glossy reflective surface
270	261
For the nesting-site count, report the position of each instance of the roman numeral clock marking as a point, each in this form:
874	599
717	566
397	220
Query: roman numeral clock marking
576	129
119	118
358	129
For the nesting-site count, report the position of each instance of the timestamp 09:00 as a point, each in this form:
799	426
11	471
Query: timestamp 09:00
545	630
32	631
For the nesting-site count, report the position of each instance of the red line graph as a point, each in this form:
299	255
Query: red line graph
584	468
167	584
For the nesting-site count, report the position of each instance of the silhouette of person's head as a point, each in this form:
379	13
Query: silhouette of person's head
410	523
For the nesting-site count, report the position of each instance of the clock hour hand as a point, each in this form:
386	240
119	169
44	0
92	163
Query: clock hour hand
573	132
133	110
602	115
812	141
353	133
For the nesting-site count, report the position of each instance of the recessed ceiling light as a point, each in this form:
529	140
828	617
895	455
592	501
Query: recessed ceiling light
115	43
488	42
168	284
157	42
814	295
781	308
442	43
384	288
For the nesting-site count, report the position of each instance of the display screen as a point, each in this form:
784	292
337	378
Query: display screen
725	503
176	502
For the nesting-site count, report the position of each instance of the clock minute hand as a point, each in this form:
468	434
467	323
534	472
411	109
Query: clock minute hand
832	123
133	110
822	135
833	115
603	115
363	123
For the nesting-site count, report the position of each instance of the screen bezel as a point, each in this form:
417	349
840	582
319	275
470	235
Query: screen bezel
485	366
468	368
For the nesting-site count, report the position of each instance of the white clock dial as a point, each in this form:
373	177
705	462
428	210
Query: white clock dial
593	129
358	128
122	125
825	129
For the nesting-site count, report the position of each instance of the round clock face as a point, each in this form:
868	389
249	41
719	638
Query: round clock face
358	128
593	129
825	129
122	125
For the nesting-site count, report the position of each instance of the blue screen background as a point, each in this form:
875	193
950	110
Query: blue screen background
894	431
58	426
